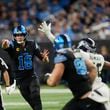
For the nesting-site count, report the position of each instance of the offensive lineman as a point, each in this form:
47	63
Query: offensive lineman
86	49
79	73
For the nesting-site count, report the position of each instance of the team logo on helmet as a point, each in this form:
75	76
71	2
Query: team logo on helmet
19	30
62	41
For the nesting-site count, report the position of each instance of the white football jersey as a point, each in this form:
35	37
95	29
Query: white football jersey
98	85
97	59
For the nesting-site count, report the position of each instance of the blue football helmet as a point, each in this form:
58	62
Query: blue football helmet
19	30
87	45
62	41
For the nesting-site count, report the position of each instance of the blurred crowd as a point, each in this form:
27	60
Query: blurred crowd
77	18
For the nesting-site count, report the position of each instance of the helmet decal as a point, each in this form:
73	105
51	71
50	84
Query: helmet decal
19	30
62	41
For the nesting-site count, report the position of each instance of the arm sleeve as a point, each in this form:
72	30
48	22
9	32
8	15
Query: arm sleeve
37	51
51	37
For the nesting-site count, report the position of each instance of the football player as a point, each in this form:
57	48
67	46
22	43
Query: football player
87	48
22	52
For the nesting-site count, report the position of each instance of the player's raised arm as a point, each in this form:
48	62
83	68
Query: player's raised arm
46	29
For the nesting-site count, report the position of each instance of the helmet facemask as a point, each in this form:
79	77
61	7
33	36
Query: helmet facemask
87	45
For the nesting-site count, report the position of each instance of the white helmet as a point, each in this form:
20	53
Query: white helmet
87	45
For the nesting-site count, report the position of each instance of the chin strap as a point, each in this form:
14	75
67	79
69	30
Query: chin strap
21	42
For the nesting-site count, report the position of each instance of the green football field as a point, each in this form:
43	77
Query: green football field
53	98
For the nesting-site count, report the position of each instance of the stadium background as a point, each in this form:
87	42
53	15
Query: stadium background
77	18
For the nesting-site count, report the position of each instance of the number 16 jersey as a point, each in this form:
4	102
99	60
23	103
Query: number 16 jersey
22	57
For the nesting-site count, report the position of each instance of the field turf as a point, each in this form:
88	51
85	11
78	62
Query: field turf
53	98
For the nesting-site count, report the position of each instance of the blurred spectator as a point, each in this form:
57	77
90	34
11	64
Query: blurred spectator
25	19
13	19
33	11
74	30
43	11
55	6
105	72
4	22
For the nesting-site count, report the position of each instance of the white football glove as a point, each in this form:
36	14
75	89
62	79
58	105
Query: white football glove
47	30
11	88
48	74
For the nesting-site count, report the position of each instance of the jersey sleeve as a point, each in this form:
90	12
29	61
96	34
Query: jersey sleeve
3	65
37	51
78	53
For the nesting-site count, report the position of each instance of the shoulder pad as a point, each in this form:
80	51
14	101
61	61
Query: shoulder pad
60	58
68	52
78	53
